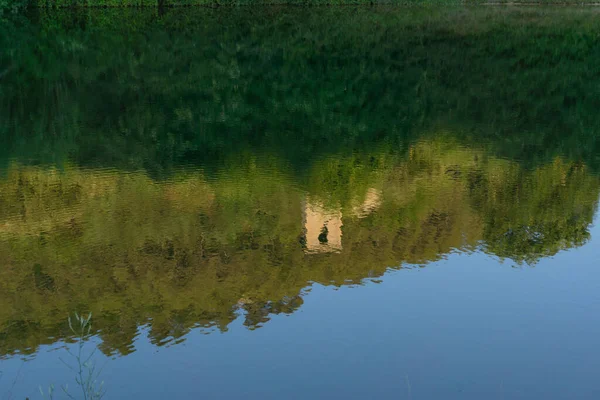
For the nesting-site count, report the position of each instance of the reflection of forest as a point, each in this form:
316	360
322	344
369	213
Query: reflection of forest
131	90
193	250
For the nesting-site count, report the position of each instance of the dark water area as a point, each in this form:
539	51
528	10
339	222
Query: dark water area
369	202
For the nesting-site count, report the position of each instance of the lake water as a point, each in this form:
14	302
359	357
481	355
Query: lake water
296	203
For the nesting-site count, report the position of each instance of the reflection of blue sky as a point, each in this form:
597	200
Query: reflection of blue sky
463	328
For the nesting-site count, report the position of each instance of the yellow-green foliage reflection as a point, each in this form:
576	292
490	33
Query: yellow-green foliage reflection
199	248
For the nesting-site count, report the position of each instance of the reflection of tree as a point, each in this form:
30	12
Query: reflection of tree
257	313
329	81
527	216
196	252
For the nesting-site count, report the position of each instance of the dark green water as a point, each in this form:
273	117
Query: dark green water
401	199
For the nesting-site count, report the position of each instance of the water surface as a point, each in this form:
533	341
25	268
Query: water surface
302	203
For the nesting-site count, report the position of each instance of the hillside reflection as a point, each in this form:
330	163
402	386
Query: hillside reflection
198	249
186	168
